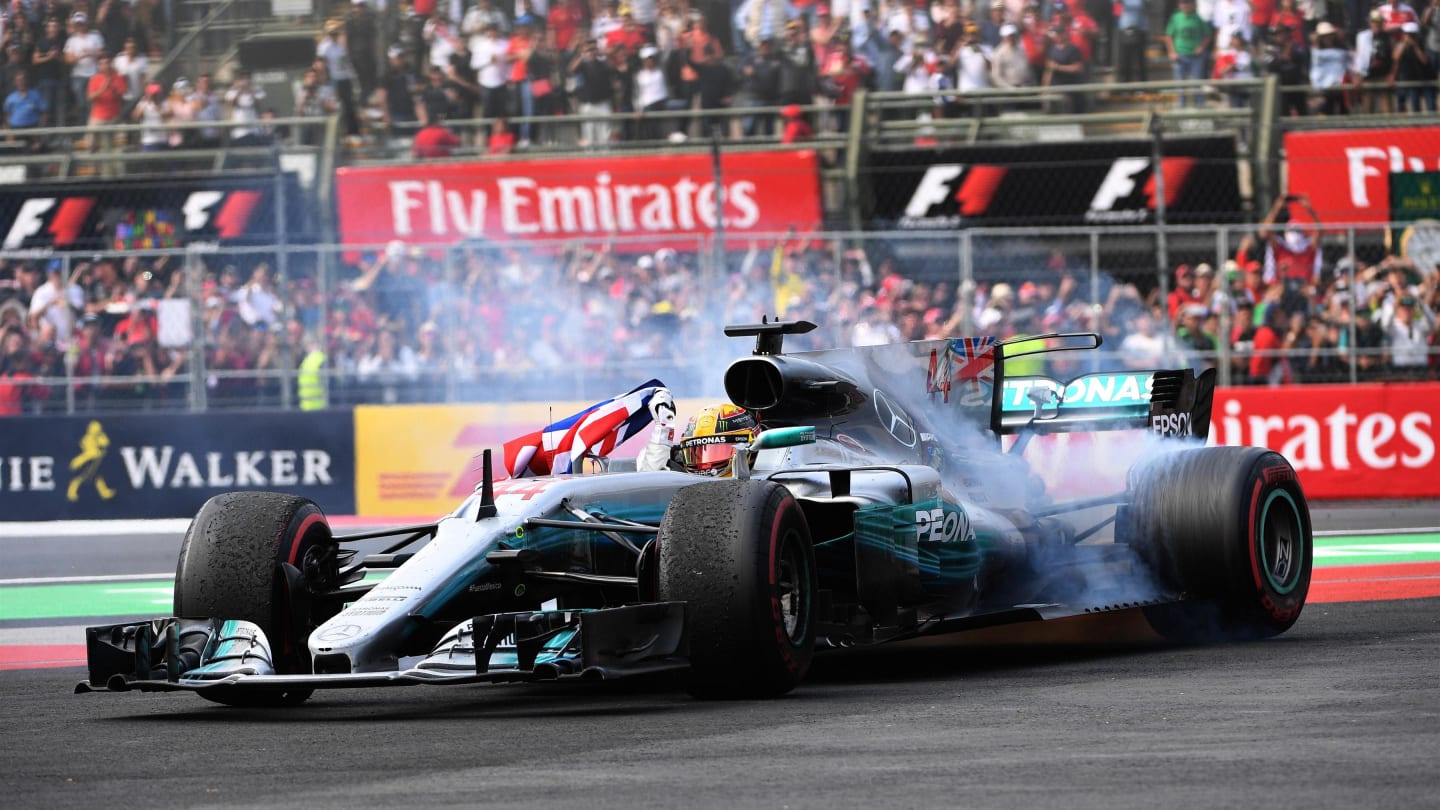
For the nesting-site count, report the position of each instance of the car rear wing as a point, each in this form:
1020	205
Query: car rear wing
1173	402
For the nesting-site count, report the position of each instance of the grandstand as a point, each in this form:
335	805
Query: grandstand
305	204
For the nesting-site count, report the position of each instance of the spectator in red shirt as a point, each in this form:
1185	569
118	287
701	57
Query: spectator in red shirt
106	95
1261	13
844	73
1296	245
1266	367
561	25
435	140
1035	39
796	129
501	140
630	35
1182	294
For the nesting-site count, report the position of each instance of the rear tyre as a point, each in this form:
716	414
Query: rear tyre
233	566
1229	527
738	554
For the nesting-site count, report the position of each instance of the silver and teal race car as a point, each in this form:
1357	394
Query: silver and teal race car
887	496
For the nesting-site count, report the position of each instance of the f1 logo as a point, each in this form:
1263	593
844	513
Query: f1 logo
65	223
933	189
1119	182
28	221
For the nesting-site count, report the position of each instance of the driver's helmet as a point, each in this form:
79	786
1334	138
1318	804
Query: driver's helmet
708	445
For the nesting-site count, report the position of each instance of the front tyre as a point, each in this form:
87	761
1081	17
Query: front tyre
738	553
1230	527
258	556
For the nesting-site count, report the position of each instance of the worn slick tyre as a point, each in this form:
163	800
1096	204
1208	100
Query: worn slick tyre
738	554
1228	526
230	568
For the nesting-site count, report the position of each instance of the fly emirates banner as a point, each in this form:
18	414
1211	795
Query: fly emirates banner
1345	441
664	197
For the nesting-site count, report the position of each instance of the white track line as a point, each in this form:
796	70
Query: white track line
30	529
1375	532
83	580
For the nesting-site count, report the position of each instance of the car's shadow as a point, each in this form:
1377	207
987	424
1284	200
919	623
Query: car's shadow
1025	650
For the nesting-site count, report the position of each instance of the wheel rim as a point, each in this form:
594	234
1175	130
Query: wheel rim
1282	542
792	582
317	564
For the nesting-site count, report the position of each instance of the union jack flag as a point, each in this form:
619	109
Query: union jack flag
966	363
597	430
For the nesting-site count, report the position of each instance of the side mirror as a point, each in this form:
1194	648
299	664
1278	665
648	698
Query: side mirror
771	440
784	437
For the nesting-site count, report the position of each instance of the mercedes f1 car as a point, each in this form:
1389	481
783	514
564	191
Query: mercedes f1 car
887	497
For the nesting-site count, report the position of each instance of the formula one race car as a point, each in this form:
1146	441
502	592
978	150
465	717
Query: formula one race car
886	497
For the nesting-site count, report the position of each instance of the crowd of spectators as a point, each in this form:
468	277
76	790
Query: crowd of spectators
1380	57
405	325
609	57
91	63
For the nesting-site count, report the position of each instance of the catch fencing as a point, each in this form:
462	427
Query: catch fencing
240	327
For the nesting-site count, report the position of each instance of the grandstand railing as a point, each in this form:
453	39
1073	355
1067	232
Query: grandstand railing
114	150
579	332
1246	109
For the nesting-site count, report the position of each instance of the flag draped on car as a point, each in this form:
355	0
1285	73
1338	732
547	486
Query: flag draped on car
596	431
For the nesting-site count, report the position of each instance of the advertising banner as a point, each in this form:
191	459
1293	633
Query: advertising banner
136	215
658	196
423	460
1085	183
154	466
1346	173
1345	441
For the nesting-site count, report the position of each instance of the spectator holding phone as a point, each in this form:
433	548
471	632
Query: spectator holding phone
152	112
1411	66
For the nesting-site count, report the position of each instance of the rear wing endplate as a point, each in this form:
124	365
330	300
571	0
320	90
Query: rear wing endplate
1174	402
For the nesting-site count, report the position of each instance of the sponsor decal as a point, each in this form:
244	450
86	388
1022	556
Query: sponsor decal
93	447
943	524
138	215
664	197
1346	173
339	632
521	488
1170	424
1090	391
1109	182
894	419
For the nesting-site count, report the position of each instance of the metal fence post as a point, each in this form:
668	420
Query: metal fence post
1095	305
450	323
71	358
965	290
199	337
324	259
1222	340
282	275
1354	307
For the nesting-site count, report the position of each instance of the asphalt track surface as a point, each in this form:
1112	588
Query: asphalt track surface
1342	711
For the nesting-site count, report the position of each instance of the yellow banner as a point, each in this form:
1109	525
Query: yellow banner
421	461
